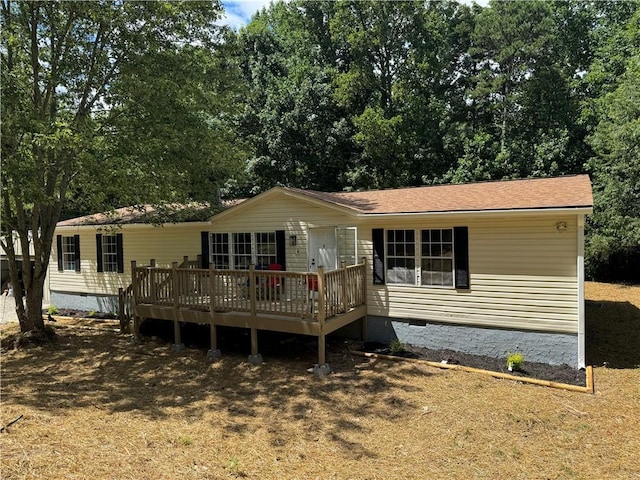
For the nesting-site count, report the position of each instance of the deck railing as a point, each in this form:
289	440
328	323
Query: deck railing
304	295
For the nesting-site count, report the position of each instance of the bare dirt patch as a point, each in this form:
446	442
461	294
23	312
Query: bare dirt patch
96	406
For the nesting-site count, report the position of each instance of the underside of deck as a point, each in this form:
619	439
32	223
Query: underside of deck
274	323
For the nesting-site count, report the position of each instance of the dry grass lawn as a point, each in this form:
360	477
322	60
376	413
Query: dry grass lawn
97	407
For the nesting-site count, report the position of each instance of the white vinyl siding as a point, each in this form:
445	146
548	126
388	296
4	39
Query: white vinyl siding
278	212
523	275
523	271
142	243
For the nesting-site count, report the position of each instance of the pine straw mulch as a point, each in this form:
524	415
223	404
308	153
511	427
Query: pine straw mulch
96	406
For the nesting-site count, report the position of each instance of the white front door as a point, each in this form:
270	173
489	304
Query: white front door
323	249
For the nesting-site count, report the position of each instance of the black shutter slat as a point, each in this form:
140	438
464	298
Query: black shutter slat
204	240
120	256
377	236
461	251
59	249
281	249
99	252
76	240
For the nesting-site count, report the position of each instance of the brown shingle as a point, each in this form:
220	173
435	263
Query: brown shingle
535	193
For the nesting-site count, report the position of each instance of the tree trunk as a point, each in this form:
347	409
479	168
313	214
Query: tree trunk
33	309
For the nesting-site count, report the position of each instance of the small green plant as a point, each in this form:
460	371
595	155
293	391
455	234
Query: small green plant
53	310
185	441
92	314
396	346
514	361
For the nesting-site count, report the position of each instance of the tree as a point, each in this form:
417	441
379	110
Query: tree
613	245
103	102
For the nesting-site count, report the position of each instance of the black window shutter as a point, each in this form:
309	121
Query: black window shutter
204	240
377	236
281	249
76	241
461	249
59	249
99	252
120	251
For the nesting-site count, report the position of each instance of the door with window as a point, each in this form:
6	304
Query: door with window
323	249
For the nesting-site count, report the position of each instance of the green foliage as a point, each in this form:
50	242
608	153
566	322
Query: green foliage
613	245
357	95
52	310
515	361
397	347
107	104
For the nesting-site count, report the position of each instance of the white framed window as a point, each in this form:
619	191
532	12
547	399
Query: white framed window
109	253
265	251
242	251
401	257
219	250
420	257
69	253
347	245
437	257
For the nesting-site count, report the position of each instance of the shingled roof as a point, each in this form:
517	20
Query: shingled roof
534	193
192	212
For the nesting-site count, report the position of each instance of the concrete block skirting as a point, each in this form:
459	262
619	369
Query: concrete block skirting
545	347
86	302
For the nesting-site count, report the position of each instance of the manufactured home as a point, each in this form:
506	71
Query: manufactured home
483	268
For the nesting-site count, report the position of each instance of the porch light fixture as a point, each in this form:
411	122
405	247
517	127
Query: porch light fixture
293	240
561	226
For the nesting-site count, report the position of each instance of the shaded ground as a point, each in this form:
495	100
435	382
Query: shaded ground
96	406
543	371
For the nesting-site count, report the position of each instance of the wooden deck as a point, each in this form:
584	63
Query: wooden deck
294	302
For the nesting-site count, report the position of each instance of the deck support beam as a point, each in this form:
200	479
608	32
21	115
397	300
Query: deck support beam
214	352
322	368
255	358
177	346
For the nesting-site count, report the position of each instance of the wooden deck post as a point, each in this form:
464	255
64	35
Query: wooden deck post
134	283
322	368
136	295
152	281
364	297
322	347
178	346
252	290
214	352
255	358
123	321
345	297
254	341
321	297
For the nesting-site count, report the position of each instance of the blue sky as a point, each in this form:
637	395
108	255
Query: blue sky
239	12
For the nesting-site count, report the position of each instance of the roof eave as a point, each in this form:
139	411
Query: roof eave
585	210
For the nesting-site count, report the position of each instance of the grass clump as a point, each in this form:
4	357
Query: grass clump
514	361
397	347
